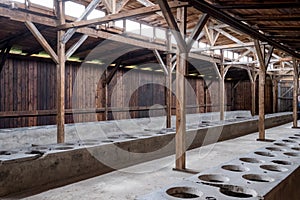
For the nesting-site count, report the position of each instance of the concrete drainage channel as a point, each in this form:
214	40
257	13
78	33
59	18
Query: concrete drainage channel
270	173
41	167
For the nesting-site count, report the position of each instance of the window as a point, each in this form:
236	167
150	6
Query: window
147	31
74	9
46	3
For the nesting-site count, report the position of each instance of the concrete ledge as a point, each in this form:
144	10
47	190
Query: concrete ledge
42	167
270	173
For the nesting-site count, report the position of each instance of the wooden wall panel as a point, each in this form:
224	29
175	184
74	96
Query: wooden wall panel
29	87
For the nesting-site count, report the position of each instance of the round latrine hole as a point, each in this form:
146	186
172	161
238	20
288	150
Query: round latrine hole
296	148
258	178
146	135
184	192
89	143
237	191
210	198
107	141
40	148
294	154
281	162
281	144
251	160
264	153
274	149
113	137
289	141
215	178
235	168
274	168
69	144
131	137
294	138
63	148
7	153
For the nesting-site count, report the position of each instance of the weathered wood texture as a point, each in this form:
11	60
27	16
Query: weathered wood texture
28	89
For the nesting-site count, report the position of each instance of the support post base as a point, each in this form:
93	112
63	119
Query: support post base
265	140
189	171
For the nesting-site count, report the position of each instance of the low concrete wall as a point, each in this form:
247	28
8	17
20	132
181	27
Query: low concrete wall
40	135
269	173
42	167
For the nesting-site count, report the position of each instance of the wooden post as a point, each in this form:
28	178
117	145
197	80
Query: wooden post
205	96
181	58
180	111
106	84
261	103
295	93
275	94
253	107
169	82
222	87
261	91
60	76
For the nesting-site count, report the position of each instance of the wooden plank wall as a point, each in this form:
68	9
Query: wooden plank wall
28	88
285	103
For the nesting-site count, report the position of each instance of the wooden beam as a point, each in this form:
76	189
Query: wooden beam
107	5
4	55
228	46
21	16
118	16
145	2
60	76
43	42
169	81
121	5
166	10
222	88
253	94
110	76
274	94
67	36
197	30
75	46
181	60
295	93
283	17
238	25
261	88
269	56
258	6
161	62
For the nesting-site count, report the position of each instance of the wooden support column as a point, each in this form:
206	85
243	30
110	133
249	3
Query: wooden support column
274	94
181	59
253	96
169	82
222	88
180	111
261	102
295	93
261	91
60	76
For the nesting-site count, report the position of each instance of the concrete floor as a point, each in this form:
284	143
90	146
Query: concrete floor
142	179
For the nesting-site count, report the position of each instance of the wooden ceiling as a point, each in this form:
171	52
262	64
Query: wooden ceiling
277	20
